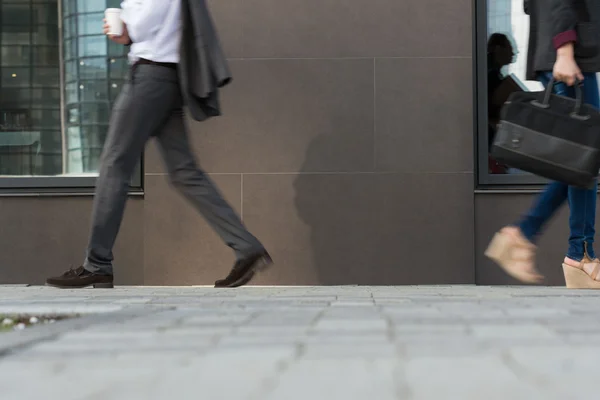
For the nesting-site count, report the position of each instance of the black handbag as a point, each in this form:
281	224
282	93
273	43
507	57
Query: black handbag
552	136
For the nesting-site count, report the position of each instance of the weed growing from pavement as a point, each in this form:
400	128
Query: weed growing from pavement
16	322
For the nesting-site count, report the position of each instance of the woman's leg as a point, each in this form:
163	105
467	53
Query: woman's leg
582	202
513	247
555	194
544	207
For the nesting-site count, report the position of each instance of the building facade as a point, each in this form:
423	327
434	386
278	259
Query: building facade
354	144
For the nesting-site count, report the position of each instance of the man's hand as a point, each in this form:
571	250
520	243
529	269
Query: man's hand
566	69
123	39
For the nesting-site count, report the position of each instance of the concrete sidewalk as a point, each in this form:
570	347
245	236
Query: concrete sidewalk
303	343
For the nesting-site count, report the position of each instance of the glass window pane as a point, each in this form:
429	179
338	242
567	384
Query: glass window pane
75	161
71	71
45	13
15	55
86	6
45	119
118	68
72	93
74	137
67	7
14	120
50	153
15	77
88	144
9	38
45	55
94	113
46	97
90	24
17	15
72	114
113	3
93	91
45	34
69	27
92	68
15	98
48	77
116	50
19	152
115	89
70	49
91	159
92	46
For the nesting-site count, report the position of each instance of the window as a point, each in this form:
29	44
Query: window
502	35
59	77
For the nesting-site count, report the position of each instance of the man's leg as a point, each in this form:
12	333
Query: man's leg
142	108
199	190
193	183
140	112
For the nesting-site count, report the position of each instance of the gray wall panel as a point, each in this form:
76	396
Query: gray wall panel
42	237
424	118
380	229
274	110
344	28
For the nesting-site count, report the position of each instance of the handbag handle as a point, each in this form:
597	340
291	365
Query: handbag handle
578	99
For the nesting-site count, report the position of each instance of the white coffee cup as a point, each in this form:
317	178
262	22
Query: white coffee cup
114	22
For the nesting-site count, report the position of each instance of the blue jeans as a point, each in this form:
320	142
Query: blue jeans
582	202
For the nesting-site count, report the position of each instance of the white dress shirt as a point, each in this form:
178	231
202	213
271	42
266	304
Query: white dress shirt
154	27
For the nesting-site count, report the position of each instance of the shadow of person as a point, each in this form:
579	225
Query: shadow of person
341	209
379	228
319	200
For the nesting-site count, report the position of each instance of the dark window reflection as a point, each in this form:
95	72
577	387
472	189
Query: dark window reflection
34	129
501	53
506	53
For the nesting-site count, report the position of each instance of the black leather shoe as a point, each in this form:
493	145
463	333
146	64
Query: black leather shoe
244	270
77	278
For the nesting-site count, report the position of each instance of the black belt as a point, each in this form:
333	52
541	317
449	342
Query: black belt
143	61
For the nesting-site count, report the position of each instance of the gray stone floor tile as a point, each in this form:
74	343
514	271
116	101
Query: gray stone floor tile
413	342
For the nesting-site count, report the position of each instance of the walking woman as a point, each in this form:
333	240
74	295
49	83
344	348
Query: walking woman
557	51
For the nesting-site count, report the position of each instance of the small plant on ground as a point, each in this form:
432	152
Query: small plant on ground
12	322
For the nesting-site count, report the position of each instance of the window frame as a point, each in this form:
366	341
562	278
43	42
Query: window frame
76	184
485	180
65	184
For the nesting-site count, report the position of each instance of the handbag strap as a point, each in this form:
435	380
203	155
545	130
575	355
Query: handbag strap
578	99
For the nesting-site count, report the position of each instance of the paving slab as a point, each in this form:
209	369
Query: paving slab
350	342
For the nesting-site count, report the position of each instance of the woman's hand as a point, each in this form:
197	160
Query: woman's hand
122	39
565	68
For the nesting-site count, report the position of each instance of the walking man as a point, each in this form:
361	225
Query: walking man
176	59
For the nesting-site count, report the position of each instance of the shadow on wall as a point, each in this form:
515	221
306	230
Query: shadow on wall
335	207
379	228
359	223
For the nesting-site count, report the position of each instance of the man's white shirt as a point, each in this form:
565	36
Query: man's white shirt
154	27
